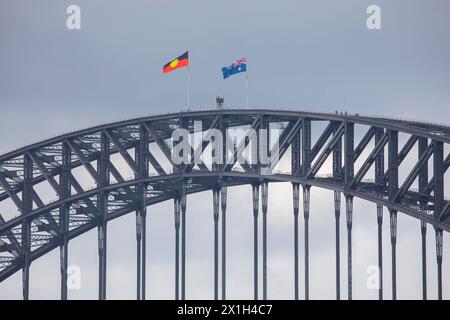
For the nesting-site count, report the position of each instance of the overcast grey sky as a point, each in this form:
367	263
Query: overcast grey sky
316	55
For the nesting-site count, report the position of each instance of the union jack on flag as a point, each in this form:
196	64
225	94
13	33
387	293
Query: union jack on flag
237	67
240	61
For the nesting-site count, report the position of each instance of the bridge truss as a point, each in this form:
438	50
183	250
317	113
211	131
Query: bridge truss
42	226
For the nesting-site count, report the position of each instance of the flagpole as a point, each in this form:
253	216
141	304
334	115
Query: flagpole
188	79
246	89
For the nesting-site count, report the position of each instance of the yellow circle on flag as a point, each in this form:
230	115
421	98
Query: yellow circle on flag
174	63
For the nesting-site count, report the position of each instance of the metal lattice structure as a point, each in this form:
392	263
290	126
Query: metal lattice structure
41	227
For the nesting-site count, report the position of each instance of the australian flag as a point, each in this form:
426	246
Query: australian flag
237	67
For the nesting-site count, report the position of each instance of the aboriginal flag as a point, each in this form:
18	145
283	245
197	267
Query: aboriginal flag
180	62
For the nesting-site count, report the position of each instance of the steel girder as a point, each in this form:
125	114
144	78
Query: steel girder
41	227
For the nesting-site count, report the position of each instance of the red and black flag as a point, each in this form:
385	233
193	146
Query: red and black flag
180	62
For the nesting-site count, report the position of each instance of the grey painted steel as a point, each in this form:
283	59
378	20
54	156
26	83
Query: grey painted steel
306	167
27	205
216	206
393	225
143	165
426	130
264	197
64	218
223	200
349	216
349	174
296	203
103	169
349	155
439	252
337	213
306	208
144	251
296	167
393	161
423	182
41	230
438	172
423	229
183	244
26	265
138	235
176	206
337	171
379	178
380	249
255	196
138	254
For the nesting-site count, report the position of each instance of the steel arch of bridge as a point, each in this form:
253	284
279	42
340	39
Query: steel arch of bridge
41	227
